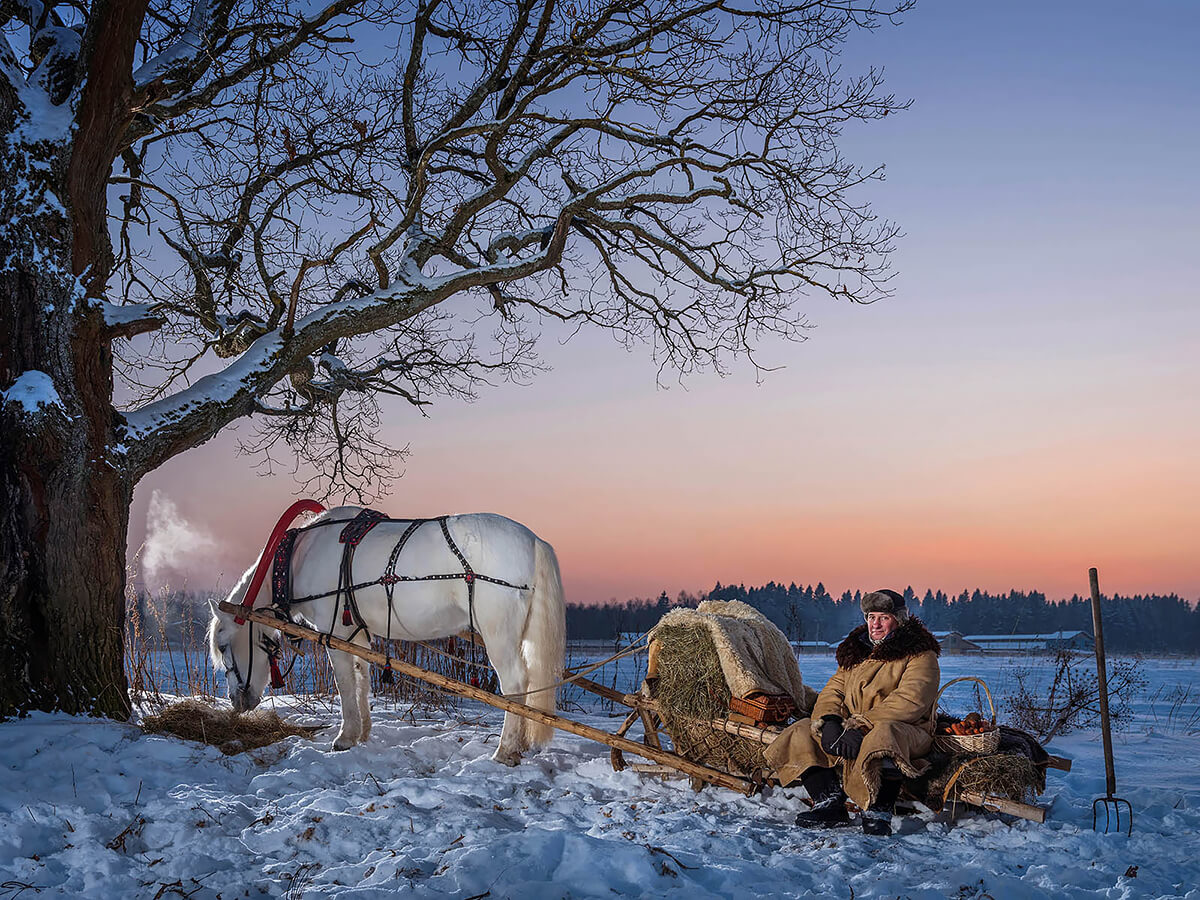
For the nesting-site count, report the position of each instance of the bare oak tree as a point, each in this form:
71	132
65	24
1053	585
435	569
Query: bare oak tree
217	209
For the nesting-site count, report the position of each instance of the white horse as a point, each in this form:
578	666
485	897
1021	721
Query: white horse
518	610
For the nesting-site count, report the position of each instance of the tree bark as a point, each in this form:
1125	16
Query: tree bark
65	486
64	505
102	118
64	502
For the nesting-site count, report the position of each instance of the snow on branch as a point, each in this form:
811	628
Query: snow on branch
182	51
130	319
667	170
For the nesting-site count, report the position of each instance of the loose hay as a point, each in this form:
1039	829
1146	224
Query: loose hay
691	691
1009	775
224	729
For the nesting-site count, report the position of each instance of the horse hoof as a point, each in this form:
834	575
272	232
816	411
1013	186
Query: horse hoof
507	758
343	744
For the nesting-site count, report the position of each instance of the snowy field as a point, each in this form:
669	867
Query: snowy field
98	809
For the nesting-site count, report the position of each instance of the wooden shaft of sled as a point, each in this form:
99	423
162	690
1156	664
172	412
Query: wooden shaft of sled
1058	762
635	701
1001	804
750	732
450	685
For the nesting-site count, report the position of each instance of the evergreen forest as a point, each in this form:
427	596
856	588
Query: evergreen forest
1142	623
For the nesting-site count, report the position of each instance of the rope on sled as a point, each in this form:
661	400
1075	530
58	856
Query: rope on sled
635	647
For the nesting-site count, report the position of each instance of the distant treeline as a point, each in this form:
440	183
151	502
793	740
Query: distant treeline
178	617
1139	623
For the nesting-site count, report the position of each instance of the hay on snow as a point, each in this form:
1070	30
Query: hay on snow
224	729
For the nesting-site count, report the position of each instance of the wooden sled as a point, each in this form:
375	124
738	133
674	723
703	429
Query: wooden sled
644	709
650	748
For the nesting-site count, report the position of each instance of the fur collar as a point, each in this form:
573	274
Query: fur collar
908	640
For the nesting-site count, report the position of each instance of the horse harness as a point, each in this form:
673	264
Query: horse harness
352	535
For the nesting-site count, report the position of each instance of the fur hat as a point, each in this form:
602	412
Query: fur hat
885	601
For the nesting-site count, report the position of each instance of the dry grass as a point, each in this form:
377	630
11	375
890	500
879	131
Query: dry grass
166	657
691	687
1008	775
1069	698
229	732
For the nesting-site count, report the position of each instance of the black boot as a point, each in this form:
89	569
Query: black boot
877	818
829	801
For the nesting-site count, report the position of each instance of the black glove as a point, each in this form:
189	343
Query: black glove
838	740
831	731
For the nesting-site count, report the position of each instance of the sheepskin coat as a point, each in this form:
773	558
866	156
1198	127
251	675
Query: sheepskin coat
889	690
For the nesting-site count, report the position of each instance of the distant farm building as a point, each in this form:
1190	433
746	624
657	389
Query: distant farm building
954	642
1050	642
813	646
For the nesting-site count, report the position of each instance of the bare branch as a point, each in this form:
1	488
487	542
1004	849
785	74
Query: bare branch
664	169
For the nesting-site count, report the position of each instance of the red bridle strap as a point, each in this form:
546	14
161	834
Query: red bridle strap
264	562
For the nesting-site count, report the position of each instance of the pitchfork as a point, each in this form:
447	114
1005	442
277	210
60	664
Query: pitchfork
1112	805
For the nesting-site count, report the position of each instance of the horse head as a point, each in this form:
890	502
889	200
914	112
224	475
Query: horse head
244	653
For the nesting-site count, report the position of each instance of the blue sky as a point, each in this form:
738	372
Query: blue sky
1024	406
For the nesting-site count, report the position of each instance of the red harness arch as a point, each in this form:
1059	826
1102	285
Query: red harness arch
268	554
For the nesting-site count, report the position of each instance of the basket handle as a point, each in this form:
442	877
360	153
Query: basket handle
967	678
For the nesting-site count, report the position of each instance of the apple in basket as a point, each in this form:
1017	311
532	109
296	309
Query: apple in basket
972	723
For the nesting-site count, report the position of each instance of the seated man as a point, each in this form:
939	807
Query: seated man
875	717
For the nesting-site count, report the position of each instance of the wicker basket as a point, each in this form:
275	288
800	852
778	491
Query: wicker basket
970	744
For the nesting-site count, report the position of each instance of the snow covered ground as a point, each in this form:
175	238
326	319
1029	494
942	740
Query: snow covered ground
93	808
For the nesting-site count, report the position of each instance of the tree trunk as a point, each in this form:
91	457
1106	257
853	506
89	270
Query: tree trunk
64	494
62	609
65	484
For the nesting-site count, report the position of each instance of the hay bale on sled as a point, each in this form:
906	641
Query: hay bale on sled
691	691
228	731
693	687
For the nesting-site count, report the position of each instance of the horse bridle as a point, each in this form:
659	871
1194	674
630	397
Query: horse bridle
274	650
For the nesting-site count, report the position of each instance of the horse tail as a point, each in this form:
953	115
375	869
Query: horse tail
544	644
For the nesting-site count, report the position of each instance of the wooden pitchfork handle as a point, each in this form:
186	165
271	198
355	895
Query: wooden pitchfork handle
1110	774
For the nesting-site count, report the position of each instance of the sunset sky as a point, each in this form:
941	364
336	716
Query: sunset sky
1024	407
